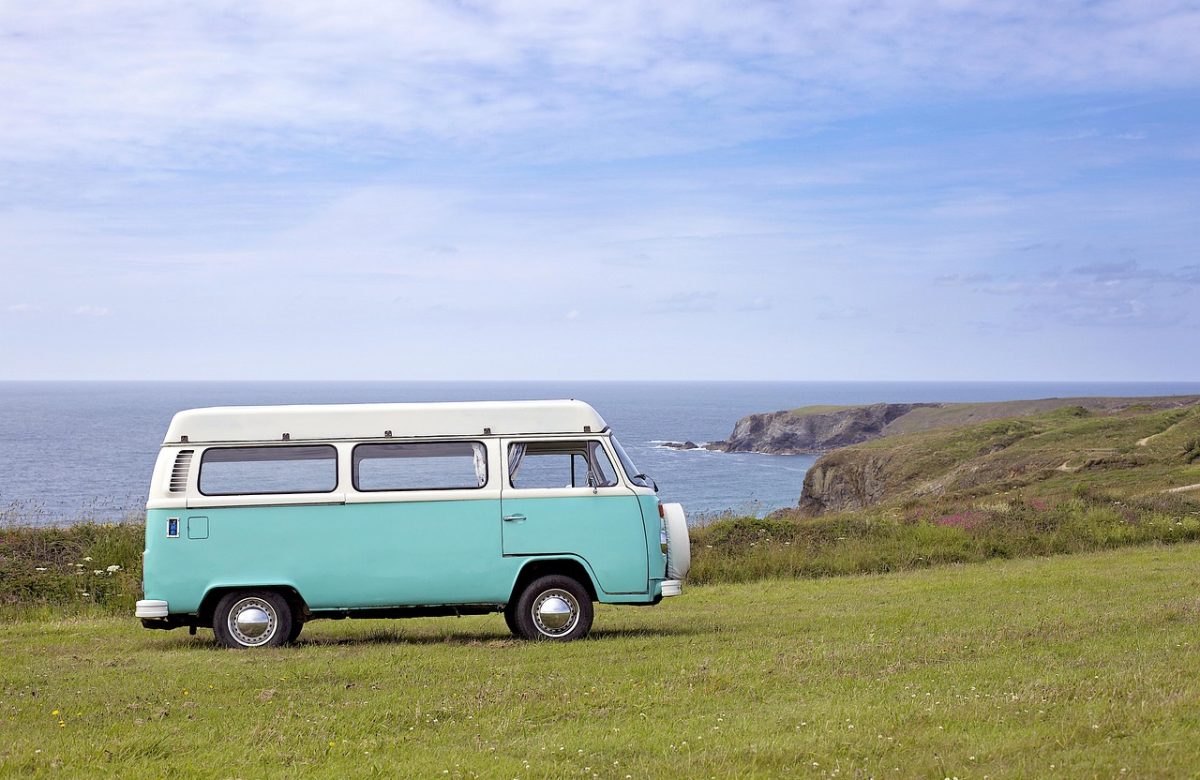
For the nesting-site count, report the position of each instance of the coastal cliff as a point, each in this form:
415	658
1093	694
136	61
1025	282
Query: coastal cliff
845	480
820	429
1149	446
930	452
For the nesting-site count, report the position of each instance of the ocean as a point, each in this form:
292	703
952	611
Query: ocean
71	451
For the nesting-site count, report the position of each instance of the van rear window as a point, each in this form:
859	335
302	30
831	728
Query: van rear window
420	466
248	471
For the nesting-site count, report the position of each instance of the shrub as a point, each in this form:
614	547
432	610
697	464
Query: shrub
91	565
746	548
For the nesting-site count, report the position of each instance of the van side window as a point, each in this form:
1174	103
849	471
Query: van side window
248	471
559	464
445	465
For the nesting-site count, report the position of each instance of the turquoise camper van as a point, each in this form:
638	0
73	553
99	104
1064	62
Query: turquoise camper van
263	518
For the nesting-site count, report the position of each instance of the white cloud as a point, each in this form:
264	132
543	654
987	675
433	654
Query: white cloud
22	308
1121	294
697	302
135	82
759	303
92	311
842	313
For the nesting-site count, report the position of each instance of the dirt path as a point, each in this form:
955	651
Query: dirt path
1146	440
1183	489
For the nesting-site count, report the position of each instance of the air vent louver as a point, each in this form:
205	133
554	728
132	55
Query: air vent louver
179	473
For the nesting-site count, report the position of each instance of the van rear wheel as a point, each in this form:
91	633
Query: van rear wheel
253	618
553	608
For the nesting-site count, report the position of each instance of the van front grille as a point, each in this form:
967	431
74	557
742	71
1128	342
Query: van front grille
179	473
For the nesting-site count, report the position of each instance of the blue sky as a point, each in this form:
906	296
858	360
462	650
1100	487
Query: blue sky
868	190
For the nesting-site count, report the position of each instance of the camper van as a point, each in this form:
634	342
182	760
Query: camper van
262	518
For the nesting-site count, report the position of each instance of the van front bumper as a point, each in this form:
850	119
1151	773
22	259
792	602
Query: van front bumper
151	608
671	588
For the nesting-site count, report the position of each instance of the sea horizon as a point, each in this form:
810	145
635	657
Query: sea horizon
80	449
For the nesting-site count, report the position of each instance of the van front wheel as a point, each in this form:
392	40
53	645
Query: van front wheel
510	618
297	627
554	607
253	618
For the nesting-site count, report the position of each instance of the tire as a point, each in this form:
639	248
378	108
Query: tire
272	626
548	600
297	627
510	618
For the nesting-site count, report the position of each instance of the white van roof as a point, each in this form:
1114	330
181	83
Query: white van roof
377	421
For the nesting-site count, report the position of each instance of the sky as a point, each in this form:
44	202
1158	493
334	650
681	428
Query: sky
618	190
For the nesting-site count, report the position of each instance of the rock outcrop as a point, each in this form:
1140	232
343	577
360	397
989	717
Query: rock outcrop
844	480
806	431
796	432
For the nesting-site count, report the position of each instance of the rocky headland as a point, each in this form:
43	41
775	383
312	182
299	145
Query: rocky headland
1148	445
808	430
876	453
819	429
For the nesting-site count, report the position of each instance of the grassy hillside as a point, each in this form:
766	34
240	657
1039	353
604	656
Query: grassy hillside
1071	666
824	428
956	415
804	411
1133	454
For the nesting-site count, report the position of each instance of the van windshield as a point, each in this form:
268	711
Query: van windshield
635	475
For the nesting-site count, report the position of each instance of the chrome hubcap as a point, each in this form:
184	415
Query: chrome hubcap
252	622
555	612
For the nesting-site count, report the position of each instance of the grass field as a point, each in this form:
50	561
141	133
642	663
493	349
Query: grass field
1073	666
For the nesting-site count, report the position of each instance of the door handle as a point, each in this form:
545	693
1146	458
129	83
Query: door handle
514	518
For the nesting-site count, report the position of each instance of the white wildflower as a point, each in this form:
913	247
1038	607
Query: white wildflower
97	571
40	568
88	558
113	568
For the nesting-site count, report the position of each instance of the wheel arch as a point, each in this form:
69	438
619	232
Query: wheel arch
566	566
213	595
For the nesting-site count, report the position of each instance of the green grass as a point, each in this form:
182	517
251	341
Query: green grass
1071	666
802	411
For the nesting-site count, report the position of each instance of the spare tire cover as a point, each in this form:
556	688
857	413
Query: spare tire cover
679	544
